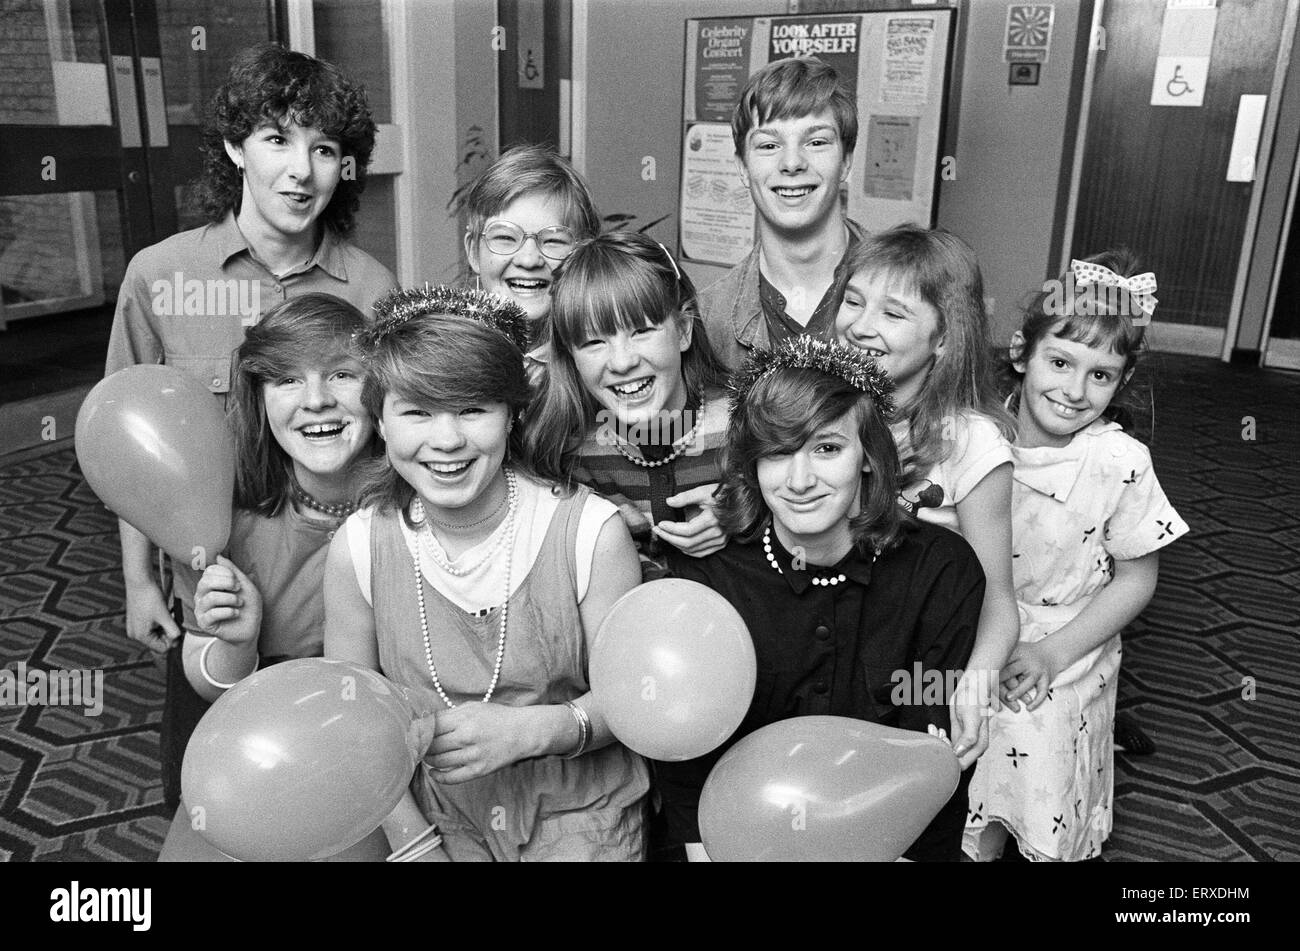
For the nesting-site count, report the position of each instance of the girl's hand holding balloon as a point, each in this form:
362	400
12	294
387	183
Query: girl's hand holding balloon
227	605
477	739
1032	669
701	534
147	619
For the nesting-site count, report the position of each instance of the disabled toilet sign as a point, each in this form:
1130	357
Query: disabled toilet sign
1180	80
1183	58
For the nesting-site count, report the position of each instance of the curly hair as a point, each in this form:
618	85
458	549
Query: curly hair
268	83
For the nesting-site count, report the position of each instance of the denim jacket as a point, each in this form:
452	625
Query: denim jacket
733	313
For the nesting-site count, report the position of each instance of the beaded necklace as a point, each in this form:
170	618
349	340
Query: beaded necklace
823	582
418	514
338	510
679	447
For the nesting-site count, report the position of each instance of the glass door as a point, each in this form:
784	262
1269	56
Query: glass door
99	134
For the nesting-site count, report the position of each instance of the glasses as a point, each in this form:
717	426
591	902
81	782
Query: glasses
506	237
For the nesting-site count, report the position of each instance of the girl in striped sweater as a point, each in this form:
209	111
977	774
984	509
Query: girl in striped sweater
633	403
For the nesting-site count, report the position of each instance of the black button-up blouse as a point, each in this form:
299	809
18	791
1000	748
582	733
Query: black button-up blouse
836	649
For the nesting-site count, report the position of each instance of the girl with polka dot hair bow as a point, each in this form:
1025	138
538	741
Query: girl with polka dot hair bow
1088	521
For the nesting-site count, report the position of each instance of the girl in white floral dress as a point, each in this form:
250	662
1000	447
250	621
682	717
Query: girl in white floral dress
1089	518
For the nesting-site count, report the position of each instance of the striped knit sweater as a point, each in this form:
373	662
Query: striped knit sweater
640	492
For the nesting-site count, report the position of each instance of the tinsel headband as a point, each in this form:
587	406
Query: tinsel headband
399	306
850	364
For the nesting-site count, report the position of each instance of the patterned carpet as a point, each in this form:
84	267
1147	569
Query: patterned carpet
1223	785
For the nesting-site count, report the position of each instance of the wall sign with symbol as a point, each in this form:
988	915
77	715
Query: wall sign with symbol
531	45
1024	74
1183	59
1029	32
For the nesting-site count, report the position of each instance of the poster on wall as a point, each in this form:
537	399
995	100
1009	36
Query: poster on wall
834	40
891	157
893	63
717	214
909	44
721	67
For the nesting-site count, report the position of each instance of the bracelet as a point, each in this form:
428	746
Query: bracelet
203	667
421	851
426	841
584	729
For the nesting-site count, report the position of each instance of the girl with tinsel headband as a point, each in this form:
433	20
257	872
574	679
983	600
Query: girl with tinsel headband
840	589
473	582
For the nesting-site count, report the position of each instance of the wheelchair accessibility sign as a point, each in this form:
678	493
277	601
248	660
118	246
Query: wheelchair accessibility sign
1180	80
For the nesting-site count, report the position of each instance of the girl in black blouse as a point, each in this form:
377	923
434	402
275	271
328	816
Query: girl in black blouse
855	608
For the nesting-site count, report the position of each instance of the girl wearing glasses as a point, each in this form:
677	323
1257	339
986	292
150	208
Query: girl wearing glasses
631	404
526	212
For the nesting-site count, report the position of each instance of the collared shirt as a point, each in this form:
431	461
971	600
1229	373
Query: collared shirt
187	301
866	648
780	325
732	310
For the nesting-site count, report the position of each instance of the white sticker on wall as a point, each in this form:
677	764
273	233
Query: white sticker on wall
1180	80
1245	139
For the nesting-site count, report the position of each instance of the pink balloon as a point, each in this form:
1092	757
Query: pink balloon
152	443
824	789
673	669
298	761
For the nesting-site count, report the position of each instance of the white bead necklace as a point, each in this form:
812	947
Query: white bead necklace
417	508
434	550
679	447
823	582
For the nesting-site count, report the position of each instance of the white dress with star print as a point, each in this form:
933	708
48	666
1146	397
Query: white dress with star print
1047	775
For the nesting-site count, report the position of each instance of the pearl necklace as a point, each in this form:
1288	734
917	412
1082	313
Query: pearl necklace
429	544
512	494
338	510
679	447
824	582
477	522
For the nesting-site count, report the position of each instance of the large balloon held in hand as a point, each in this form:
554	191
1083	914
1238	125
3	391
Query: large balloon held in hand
153	444
824	789
672	669
299	761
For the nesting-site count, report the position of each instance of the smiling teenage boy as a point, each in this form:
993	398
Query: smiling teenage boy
795	128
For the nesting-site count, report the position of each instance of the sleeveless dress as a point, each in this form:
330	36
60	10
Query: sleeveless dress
546	808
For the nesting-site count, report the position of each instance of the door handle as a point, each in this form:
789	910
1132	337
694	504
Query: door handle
1245	140
128	112
154	103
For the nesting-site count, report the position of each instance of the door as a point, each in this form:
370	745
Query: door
1160	178
99	130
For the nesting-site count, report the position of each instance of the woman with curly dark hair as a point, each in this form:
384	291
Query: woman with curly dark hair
286	147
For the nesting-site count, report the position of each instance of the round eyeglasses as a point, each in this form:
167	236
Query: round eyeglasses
506	237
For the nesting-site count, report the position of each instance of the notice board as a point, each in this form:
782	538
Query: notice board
895	64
